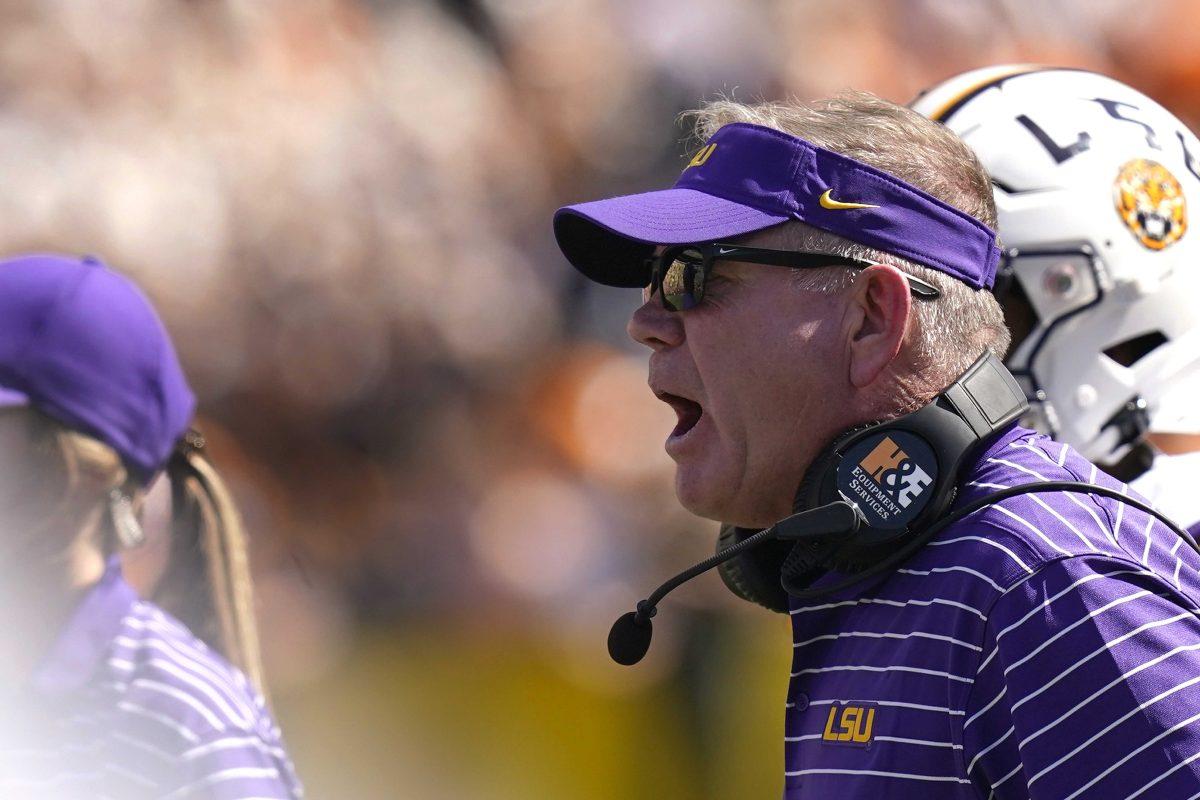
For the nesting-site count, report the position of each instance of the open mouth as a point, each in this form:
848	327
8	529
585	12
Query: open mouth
687	411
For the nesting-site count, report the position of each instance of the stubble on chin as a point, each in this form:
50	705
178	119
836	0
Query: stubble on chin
756	505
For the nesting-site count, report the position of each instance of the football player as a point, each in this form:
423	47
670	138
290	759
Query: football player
1100	276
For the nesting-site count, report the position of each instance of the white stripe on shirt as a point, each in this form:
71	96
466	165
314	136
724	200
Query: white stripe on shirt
192	702
1135	710
894	668
872	635
988	542
1109	771
1116	681
236	773
877	773
1104	648
133	708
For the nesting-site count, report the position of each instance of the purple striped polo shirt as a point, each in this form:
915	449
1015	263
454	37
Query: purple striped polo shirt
129	704
1047	646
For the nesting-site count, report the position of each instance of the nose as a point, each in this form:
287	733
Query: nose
654	326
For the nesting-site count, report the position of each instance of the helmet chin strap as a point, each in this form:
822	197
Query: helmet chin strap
1125	428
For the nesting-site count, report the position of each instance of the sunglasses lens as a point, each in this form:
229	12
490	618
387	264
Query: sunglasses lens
683	280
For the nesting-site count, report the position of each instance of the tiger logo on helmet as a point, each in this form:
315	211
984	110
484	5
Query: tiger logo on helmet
1151	203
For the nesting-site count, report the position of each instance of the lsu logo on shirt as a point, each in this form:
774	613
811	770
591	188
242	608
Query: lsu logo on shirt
853	724
895	473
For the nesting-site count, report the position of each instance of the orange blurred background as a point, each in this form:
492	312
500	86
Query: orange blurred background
438	432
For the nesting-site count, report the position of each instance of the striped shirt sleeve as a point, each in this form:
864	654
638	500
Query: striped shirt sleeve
234	765
1088	687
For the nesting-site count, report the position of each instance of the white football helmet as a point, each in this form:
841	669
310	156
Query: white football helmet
1094	182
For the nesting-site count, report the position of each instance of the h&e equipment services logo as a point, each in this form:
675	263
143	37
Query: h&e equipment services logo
888	479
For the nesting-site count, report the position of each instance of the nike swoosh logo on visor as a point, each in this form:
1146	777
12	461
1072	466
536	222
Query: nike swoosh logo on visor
838	205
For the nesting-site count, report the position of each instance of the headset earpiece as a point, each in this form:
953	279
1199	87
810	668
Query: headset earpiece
808	559
754	575
815	486
900	474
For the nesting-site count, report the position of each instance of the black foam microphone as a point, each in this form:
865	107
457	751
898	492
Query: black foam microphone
630	636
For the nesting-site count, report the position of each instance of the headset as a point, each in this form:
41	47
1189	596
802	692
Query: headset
868	502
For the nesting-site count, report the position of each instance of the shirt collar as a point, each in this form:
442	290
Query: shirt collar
991	447
76	654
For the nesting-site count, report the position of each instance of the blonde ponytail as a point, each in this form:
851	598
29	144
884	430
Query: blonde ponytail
207	582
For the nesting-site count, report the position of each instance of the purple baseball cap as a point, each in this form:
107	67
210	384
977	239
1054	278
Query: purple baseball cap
82	344
749	177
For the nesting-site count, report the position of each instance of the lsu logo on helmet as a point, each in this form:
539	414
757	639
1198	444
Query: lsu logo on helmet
1150	202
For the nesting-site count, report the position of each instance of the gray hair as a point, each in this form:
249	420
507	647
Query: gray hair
951	331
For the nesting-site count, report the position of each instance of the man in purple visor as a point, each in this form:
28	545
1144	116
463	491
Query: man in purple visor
978	612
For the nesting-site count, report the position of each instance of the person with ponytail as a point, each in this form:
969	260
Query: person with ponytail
105	694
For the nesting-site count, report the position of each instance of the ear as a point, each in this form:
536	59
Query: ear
878	315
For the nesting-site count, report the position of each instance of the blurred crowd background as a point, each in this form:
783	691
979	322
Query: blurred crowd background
439	434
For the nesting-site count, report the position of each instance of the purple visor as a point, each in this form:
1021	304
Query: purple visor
748	177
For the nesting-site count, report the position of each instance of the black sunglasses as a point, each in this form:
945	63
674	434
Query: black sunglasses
681	271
